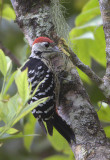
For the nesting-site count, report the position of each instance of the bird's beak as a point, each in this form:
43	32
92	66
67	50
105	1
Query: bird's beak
56	49
52	52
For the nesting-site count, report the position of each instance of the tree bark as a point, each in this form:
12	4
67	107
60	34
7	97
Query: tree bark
105	14
34	18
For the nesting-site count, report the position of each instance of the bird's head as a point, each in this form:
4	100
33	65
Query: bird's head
43	47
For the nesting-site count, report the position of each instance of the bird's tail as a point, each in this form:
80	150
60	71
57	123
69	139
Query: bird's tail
62	127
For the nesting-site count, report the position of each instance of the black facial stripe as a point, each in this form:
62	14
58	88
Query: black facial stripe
37	53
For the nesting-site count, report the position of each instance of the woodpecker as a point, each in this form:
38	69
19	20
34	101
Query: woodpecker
39	68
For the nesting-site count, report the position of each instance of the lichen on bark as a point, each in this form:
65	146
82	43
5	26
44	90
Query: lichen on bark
34	20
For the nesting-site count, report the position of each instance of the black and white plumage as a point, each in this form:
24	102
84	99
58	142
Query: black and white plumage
38	70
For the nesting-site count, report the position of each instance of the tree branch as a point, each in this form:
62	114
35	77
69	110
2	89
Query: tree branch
105	14
34	18
77	62
9	54
86	69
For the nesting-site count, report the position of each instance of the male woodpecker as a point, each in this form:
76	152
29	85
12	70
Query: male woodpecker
40	69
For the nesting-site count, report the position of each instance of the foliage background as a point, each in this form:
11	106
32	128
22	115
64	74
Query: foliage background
88	42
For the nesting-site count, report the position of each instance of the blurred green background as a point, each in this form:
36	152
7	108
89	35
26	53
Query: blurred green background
88	42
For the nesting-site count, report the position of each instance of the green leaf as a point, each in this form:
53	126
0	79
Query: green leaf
80	46
10	131
11	112
86	38
97	47
58	142
87	48
87	35
87	16
19	135
22	85
90	5
9	83
60	157
107	131
9	109
9	65
37	88
3	63
8	13
97	21
90	11
29	128
28	109
83	76
27	49
104	112
13	108
4	112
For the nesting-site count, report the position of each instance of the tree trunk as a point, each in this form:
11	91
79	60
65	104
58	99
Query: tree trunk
35	19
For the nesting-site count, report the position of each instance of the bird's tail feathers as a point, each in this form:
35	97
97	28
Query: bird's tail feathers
63	128
60	125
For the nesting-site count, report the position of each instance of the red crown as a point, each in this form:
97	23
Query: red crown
42	39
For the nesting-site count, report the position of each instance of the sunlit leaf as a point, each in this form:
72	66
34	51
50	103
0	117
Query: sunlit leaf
19	135
10	131
87	16
29	128
80	46
87	35
7	12
3	63
8	110
28	109
13	107
37	88
97	47
60	157
22	85
90	11
58	142
9	82
90	5
104	112
87	48
10	113
107	131
83	76
9	65
97	21
4	112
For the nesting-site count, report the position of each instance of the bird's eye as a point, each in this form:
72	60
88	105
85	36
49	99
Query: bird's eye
47	45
